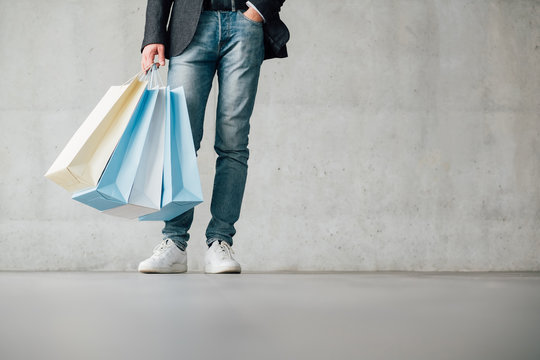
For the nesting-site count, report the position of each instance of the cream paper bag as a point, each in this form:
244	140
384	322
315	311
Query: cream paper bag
81	162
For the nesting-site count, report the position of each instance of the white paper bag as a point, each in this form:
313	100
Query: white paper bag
81	162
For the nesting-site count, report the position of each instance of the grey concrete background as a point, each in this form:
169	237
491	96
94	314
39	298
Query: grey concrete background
399	135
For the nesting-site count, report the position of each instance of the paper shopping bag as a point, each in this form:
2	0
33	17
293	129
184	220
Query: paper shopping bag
145	195
146	190
81	162
181	181
128	163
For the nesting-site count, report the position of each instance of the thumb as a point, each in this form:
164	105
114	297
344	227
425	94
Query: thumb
161	55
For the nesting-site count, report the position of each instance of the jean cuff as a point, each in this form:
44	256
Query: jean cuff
210	240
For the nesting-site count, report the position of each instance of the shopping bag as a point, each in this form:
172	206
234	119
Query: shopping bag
114	189
152	174
181	181
145	192
81	162
145	196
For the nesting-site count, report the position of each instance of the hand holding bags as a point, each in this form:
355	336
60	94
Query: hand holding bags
152	173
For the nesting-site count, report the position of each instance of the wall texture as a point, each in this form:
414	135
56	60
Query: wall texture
398	135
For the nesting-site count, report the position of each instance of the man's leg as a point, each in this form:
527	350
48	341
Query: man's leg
241	56
194	69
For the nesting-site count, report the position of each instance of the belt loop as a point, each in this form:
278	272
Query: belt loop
233	8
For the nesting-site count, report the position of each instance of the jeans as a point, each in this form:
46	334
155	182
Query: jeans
231	45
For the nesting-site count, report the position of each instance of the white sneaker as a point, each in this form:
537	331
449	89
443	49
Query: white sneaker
219	259
167	258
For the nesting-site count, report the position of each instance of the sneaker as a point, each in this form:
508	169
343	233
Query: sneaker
219	259
167	258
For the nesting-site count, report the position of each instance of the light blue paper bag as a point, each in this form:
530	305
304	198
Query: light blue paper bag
145	194
115	184
181	183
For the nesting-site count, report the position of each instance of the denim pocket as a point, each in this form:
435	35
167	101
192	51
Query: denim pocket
248	19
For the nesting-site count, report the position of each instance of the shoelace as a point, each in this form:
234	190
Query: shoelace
162	246
224	247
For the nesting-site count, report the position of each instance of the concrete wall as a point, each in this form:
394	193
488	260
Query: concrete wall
399	135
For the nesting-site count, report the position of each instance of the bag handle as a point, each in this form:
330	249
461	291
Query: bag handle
155	79
133	77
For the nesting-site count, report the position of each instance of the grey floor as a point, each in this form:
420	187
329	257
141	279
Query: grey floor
96	315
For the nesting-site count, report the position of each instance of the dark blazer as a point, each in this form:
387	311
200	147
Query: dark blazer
185	17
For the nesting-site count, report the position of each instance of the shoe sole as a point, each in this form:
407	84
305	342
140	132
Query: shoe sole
175	269
222	270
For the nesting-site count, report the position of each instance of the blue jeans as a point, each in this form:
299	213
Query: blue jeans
230	44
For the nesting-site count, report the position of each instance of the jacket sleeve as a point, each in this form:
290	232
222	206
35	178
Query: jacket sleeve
155	28
268	8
